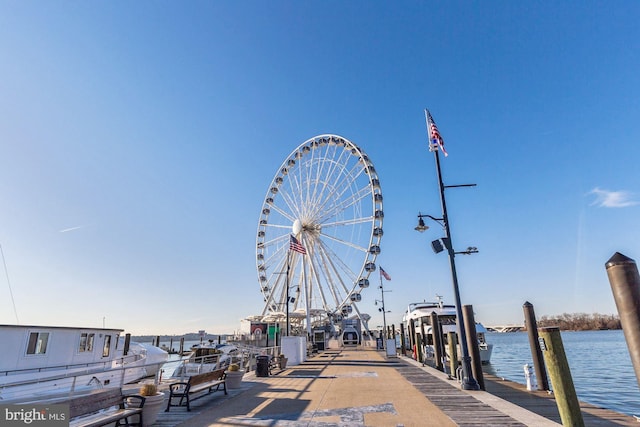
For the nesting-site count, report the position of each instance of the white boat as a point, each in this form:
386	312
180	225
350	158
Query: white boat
206	357
418	317
146	356
37	362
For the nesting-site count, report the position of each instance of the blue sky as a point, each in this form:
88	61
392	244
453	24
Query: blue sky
137	141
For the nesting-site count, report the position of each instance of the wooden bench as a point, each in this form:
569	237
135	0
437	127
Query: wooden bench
196	383
104	407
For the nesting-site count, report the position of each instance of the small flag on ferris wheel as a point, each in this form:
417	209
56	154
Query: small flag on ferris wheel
435	140
296	246
384	274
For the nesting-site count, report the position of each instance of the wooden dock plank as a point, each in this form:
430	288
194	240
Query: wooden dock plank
461	407
544	404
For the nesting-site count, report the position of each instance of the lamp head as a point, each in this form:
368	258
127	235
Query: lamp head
421	227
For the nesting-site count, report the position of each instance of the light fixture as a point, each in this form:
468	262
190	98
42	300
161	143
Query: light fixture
421	227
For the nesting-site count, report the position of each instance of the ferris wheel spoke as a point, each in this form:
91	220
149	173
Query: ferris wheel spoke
335	166
352	221
275	260
338	192
327	275
276	241
345	243
345	204
289	198
283	226
329	259
282	212
274	282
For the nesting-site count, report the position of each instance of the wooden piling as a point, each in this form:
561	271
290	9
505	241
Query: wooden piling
625	285
472	344
563	389
538	360
422	342
403	347
452	342
437	341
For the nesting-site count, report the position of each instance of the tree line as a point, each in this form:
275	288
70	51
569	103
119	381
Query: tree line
581	321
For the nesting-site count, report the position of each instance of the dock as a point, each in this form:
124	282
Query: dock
362	387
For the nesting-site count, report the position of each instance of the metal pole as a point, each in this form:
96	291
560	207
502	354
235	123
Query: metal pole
287	284
625	285
384	316
468	382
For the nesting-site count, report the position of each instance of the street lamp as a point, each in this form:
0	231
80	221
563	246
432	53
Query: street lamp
468	382
384	318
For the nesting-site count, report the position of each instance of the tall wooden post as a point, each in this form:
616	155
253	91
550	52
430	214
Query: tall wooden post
563	389
625	285
532	330
472	344
437	341
423	342
452	342
403	347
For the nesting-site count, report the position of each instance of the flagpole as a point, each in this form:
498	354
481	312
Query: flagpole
468	382
287	284
384	316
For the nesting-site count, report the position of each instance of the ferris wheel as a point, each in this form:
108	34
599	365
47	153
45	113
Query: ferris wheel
319	232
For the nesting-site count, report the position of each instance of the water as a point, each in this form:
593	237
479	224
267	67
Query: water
599	361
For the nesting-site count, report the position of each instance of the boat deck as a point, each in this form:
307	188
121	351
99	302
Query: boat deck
360	386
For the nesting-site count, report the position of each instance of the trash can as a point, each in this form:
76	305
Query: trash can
262	366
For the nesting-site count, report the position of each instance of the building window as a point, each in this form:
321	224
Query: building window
86	342
38	342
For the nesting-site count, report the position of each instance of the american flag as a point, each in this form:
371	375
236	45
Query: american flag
294	245
384	274
434	134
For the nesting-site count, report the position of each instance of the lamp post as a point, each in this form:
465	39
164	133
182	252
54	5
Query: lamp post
287	284
384	314
468	382
384	318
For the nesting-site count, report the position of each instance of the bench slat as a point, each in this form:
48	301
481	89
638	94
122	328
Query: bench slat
101	408
101	419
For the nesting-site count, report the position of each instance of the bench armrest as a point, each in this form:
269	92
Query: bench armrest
176	386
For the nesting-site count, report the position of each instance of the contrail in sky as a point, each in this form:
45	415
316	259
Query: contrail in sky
72	229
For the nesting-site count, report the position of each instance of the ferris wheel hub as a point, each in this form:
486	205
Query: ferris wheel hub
297	227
